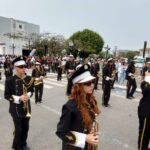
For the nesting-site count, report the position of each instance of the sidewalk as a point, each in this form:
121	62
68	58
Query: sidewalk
123	87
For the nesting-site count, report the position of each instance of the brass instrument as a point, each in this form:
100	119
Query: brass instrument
95	129
37	81
26	104
113	75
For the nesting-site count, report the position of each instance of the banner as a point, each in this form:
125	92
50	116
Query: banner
32	52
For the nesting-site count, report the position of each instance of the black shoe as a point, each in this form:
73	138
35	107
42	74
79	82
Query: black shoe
129	97
26	147
106	105
132	97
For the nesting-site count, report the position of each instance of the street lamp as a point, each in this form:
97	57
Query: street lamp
107	48
71	44
73	48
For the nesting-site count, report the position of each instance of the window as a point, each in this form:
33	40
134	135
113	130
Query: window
20	26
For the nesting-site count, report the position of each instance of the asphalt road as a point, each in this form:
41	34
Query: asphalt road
118	124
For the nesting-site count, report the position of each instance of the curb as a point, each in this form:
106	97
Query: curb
123	87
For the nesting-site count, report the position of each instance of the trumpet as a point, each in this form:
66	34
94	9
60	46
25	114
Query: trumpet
26	104
95	129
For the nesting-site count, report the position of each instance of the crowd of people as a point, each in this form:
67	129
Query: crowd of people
78	118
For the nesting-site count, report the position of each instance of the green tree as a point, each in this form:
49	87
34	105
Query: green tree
87	42
50	44
130	55
102	54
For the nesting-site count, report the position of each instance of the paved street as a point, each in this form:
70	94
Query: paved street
118	124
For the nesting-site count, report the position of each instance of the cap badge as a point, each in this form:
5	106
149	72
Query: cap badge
85	67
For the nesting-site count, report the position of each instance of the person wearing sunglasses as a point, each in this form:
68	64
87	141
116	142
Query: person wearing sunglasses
38	73
77	127
107	80
18	90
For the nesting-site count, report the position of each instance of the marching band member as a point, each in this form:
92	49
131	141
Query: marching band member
70	69
38	73
144	114
131	82
77	127
107	82
18	90
8	67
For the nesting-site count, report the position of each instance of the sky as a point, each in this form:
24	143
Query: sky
124	24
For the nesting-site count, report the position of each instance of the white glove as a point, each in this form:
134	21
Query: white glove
41	77
107	78
147	79
29	94
130	74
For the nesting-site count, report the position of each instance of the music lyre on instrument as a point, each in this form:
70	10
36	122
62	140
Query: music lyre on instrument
26	104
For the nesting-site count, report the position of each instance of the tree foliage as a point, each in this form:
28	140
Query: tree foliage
130	55
87	41
50	44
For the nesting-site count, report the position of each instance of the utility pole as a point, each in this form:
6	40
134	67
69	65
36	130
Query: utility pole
144	49
13	48
115	51
107	48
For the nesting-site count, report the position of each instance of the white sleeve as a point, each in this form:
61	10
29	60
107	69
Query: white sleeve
16	99
29	94
107	78
130	74
80	139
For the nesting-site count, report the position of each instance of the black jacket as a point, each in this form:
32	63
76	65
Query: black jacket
14	86
144	105
70	120
107	72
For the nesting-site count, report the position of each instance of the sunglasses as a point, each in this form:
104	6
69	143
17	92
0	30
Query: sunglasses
89	83
22	66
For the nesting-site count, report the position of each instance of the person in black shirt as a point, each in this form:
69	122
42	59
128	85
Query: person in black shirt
18	90
131	82
96	73
70	69
144	114
78	128
38	73
8	67
107	82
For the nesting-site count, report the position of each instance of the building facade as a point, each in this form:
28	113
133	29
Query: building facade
147	52
16	36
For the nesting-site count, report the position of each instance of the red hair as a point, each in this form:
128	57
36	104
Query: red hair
86	104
